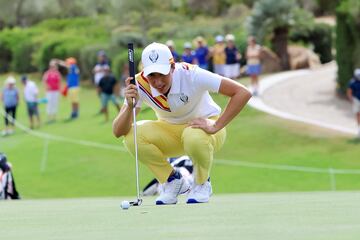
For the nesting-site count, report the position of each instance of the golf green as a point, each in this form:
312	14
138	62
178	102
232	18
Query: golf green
301	215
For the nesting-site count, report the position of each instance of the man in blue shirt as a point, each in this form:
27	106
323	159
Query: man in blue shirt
353	93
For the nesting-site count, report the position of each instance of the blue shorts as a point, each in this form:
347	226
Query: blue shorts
32	108
253	69
105	98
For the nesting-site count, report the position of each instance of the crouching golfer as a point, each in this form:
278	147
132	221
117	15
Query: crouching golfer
189	121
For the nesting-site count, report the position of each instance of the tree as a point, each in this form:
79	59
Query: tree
274	18
347	41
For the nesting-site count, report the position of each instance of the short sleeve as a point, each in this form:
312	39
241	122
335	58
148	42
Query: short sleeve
206	80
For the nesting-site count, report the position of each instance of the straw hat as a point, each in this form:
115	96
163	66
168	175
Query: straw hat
10	80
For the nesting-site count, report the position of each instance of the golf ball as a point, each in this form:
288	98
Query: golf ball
125	204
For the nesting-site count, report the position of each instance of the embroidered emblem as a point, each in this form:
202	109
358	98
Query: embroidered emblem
154	56
184	98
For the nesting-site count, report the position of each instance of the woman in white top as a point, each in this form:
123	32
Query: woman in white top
253	56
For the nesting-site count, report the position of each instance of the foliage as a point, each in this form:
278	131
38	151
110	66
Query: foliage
121	59
348	41
267	15
318	35
31	49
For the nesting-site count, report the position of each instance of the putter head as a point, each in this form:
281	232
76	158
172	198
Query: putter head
137	202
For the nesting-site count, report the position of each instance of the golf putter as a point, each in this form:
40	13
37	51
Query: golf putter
138	200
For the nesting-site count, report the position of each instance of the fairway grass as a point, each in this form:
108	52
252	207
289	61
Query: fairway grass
259	216
82	158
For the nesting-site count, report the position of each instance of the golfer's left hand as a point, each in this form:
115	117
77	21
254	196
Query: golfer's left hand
207	125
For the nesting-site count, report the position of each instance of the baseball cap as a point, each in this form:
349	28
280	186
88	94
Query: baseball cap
170	43
187	45
219	38
156	57
357	73
70	61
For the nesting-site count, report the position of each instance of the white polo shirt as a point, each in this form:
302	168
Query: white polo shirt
30	91
188	97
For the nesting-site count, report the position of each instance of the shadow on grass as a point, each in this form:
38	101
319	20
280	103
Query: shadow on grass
354	140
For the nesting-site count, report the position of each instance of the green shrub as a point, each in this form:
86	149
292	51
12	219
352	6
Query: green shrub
121	59
319	35
347	41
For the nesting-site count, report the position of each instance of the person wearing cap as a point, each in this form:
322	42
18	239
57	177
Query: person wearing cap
72	84
353	94
10	99
253	57
188	55
171	46
101	67
52	82
188	121
218	55
31	93
232	66
202	52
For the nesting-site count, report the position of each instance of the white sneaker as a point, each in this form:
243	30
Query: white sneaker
174	186
200	193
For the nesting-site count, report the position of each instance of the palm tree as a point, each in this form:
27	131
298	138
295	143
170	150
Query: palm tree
274	18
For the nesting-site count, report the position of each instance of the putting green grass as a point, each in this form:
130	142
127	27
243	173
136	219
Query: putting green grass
270	216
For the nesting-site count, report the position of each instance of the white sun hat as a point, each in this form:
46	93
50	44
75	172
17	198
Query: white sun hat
10	80
230	37
157	57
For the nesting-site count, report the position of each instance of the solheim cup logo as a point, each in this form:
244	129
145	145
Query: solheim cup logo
154	56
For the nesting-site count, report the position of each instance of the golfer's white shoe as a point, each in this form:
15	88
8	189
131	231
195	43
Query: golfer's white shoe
174	186
200	193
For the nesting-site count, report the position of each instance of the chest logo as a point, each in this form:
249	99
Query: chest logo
184	98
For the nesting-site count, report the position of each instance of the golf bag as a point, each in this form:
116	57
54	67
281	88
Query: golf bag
7	182
182	164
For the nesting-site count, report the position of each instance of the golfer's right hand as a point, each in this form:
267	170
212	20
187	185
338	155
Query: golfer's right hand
131	92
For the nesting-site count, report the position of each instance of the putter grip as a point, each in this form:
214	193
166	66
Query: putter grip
131	62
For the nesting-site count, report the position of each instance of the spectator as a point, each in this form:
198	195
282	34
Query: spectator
72	84
188	55
219	56
101	67
202	53
31	92
353	93
52	81
10	99
7	182
106	90
253	56
232	67
171	46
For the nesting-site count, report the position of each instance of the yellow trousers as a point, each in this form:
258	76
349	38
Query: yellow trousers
158	140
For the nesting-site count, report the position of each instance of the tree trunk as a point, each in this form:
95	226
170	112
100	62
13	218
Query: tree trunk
279	44
18	13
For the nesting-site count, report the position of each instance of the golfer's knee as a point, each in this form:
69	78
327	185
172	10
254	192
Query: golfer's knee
195	140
